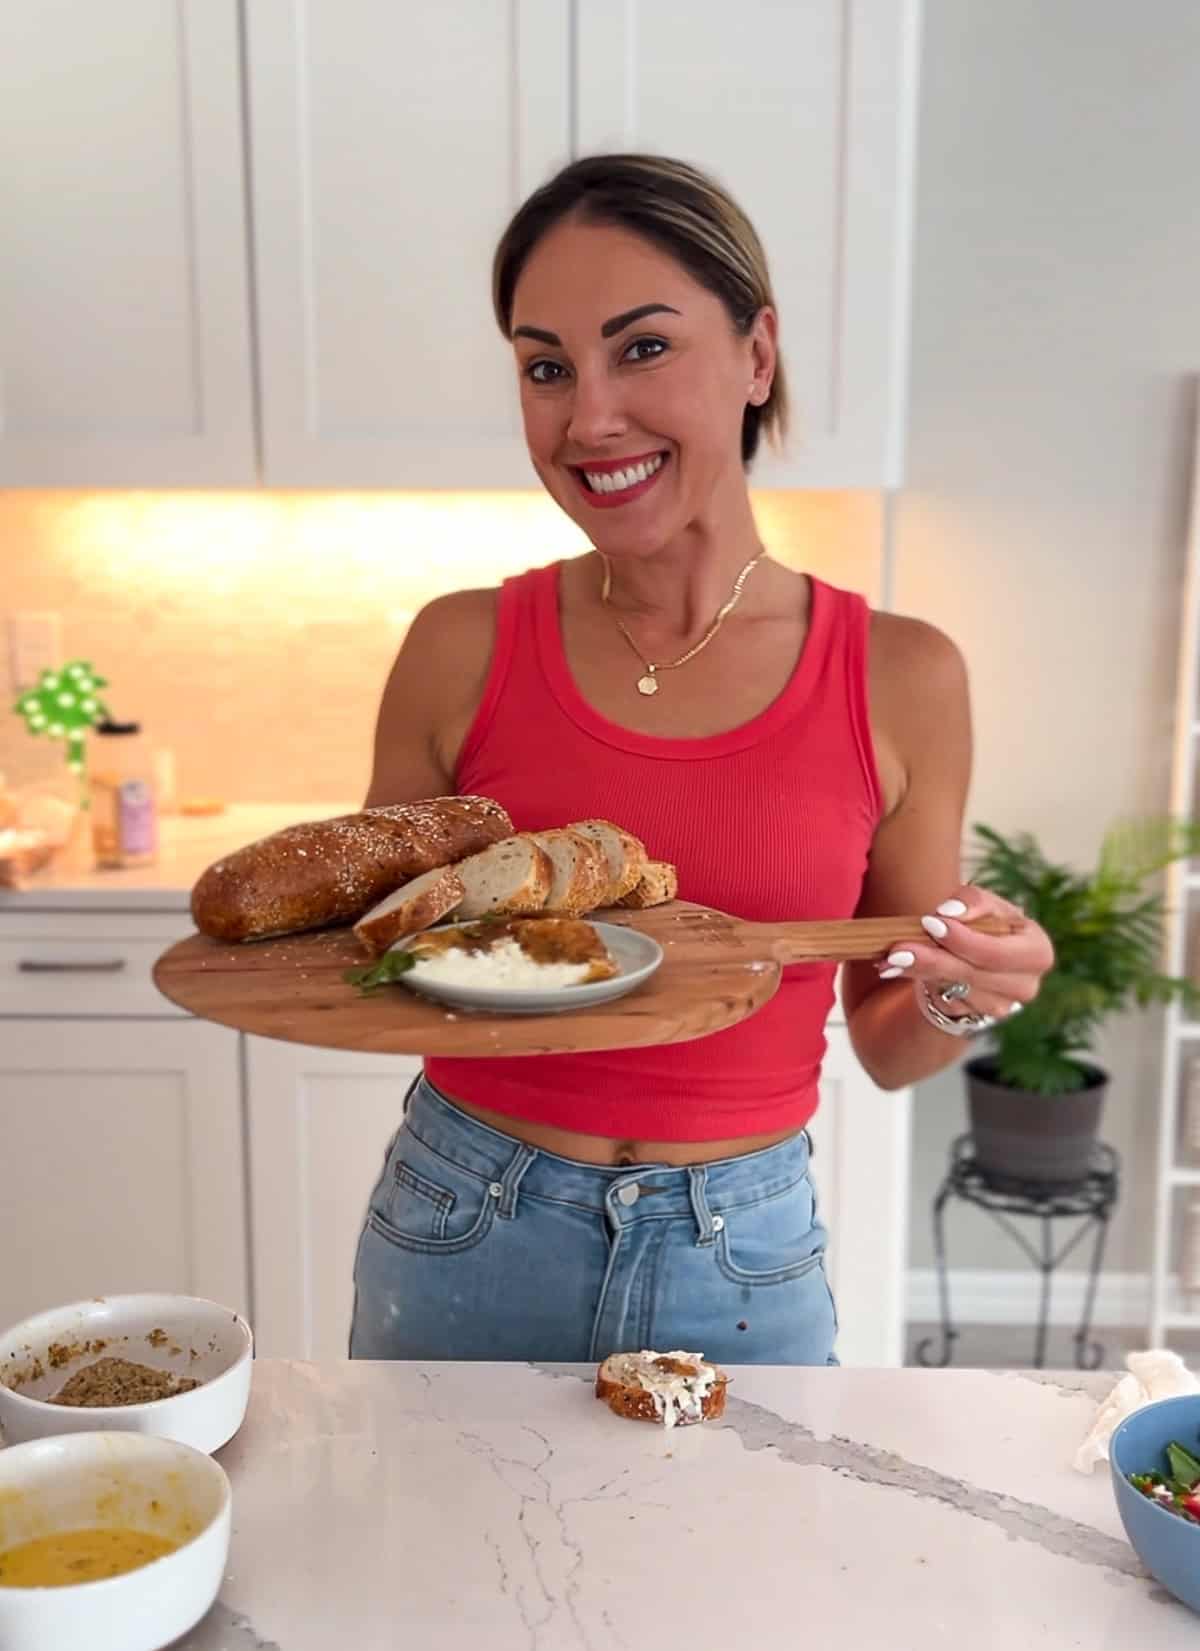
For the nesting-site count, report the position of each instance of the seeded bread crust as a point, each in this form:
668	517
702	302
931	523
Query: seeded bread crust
637	1405
322	872
417	906
657	886
625	857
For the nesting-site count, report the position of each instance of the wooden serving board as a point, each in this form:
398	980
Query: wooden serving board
716	971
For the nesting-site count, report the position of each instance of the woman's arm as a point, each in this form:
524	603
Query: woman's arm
921	719
431	696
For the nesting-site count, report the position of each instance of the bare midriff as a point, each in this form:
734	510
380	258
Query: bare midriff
598	1149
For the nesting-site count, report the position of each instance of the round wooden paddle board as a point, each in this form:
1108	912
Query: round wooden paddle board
713	975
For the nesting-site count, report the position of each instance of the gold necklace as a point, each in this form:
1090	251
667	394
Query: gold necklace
648	684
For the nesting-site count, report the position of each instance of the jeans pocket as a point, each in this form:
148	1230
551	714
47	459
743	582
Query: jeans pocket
772	1242
427	1204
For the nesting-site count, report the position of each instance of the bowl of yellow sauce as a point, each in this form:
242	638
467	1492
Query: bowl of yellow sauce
114	1541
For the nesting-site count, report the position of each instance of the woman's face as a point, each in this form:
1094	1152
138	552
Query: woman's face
633	385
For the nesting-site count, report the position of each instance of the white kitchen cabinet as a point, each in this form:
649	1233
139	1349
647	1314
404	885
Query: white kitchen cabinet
389	145
121	1163
125	356
860	1167
806	110
320	1121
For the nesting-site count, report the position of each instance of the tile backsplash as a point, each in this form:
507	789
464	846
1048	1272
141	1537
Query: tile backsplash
251	633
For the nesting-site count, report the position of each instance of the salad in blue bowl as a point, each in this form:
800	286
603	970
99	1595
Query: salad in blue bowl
1154	1456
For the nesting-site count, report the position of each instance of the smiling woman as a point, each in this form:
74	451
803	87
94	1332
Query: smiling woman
792	753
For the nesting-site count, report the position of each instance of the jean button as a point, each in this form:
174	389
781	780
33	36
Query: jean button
495	1190
718	1223
629	1194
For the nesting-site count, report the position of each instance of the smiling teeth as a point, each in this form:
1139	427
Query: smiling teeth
616	481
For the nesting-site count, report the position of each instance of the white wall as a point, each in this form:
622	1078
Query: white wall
1057	321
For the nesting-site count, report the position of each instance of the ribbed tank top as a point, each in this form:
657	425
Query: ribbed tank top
768	821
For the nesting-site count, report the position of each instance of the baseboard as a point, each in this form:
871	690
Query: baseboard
978	1296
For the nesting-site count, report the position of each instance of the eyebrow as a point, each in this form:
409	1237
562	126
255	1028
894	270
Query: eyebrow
610	328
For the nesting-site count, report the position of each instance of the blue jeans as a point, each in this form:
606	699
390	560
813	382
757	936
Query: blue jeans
477	1246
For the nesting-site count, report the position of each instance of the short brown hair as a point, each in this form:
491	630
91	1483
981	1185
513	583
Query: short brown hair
678	208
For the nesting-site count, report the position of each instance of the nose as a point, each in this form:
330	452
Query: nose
596	414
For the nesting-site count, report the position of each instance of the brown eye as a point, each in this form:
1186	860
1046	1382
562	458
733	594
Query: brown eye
545	372
646	349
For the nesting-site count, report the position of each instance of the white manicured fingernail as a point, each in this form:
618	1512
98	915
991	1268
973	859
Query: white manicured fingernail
901	960
953	908
889	974
1016	1008
935	927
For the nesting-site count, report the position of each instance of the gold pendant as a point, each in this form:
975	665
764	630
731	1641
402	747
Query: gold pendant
648	684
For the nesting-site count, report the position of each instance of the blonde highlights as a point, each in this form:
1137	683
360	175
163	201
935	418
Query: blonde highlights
682	211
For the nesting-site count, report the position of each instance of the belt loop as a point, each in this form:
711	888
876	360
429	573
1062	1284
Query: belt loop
510	1181
697	1184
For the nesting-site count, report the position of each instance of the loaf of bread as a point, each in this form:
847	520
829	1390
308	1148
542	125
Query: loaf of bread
333	871
675	1389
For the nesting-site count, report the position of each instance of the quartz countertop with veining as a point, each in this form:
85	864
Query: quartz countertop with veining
449	1506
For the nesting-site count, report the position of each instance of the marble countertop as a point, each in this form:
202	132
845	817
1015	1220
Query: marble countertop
444	1506
186	846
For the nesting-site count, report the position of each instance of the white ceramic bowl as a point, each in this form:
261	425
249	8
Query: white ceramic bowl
83	1480
183	1334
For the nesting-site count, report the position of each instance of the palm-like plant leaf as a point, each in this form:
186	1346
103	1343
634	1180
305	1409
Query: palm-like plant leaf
1106	929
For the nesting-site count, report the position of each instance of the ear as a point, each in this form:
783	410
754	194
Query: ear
763	339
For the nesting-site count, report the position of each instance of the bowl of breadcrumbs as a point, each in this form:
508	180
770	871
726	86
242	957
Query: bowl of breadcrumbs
174	1366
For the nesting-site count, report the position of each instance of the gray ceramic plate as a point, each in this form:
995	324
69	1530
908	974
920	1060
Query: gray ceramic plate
635	955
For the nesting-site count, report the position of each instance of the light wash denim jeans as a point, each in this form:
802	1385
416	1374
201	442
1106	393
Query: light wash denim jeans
477	1246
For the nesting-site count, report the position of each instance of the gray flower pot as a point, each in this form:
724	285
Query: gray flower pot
1023	1137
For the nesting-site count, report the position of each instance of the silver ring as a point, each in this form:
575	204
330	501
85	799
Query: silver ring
955	991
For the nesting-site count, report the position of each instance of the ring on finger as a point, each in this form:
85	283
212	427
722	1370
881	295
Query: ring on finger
954	991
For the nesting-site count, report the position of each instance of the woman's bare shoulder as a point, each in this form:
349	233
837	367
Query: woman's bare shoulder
911	658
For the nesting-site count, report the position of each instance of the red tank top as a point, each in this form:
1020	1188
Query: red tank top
772	820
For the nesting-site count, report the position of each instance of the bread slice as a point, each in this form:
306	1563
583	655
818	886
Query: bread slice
580	871
624	854
658	884
510	879
676	1389
418	905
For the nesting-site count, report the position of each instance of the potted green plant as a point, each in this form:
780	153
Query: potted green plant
1034	1099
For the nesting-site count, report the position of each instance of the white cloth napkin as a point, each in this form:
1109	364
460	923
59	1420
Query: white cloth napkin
1155	1374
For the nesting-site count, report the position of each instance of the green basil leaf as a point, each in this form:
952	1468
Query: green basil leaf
385	972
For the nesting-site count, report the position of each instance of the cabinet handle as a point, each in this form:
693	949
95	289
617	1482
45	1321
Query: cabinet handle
60	966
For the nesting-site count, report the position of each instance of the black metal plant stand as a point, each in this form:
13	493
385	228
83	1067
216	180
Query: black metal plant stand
1089	1200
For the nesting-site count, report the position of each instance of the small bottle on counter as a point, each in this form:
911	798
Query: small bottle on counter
121	784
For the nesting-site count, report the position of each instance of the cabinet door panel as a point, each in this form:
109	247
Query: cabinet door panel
390	146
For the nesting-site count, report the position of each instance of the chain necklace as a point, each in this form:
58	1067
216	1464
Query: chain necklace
648	684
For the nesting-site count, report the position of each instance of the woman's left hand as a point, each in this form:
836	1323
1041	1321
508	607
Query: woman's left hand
1001	973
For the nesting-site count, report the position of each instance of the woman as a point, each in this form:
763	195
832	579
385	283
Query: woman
794	754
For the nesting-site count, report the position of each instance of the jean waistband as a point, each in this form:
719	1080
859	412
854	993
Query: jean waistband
628	1192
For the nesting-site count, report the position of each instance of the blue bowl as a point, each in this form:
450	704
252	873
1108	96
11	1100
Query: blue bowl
1169	1547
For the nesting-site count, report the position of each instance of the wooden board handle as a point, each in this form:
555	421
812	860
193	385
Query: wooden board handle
858	938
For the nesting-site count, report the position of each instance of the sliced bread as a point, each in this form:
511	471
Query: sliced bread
510	879
417	905
674	1389
624	854
658	884
580	874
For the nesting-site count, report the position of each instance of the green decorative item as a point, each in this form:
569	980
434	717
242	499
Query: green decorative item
64	705
1035	1100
